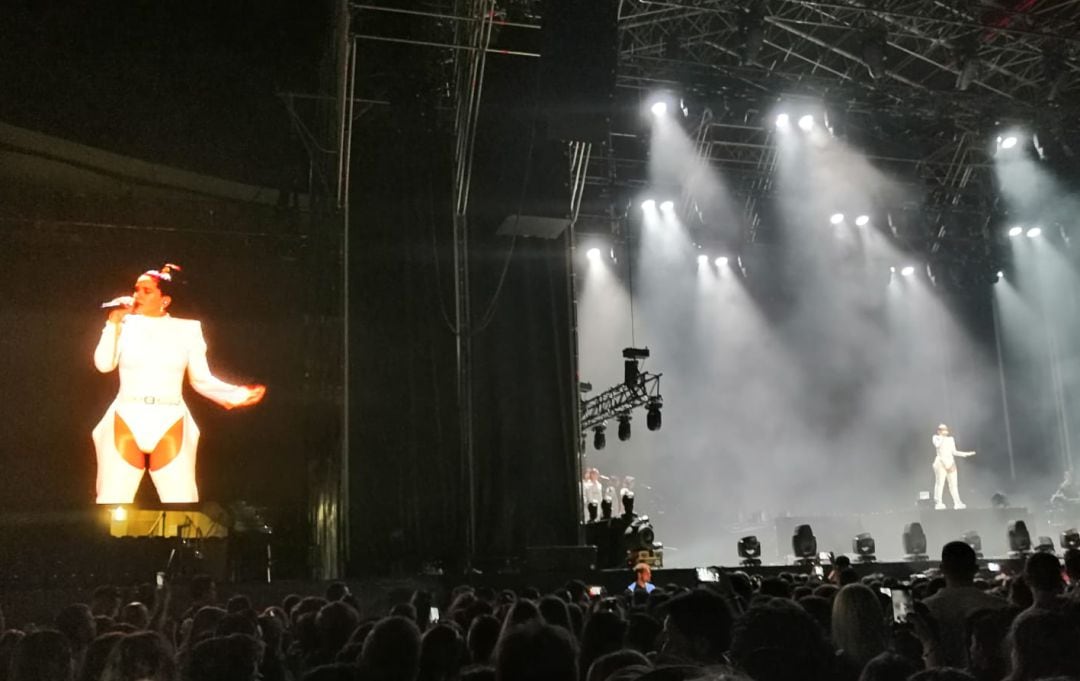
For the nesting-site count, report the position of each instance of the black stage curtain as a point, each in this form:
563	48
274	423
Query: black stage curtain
408	487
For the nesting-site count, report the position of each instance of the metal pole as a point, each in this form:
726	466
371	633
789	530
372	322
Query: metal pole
346	262
1004	388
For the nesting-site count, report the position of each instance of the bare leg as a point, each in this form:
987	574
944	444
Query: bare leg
126	445
168	447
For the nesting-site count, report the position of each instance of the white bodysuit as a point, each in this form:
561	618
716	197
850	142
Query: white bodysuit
152	354
945	470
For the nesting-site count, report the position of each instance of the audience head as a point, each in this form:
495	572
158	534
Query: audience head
238	604
779	641
1072	565
442	653
605	665
521	612
643	633
136	615
820	609
483	635
554	611
203	589
847	576
144	656
97	654
9	640
225	658
43	655
336	591
239	623
76	622
858	624
987	632
1044	644
204	624
335	623
697	626
888	667
391	651
536	652
1042	571
775	587
958	563
105	601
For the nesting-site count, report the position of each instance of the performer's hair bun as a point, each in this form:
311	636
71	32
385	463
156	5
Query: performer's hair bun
168	277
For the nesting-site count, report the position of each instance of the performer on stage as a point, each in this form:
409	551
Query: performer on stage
148	425
592	493
945	467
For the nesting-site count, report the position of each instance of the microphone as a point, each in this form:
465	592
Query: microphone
122	301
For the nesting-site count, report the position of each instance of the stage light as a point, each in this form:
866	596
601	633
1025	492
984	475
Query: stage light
1000	275
605	508
750	551
593	254
914	542
1045	545
836	218
653	417
703	259
908	270
628	502
892	269
599	438
119	514
658	108
1016	230
864	547
624	427
1034	232
972	539
1070	539
1008	142
1019	538
783	121
639	535
721	261
804	544
862	220
806	122
667	206
648	204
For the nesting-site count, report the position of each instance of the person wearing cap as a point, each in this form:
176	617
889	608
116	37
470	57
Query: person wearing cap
945	467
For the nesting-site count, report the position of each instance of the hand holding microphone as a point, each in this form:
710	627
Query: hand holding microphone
118	308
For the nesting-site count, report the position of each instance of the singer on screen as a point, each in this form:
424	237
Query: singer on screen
148	425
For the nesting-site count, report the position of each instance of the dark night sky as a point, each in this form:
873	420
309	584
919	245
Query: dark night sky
190	84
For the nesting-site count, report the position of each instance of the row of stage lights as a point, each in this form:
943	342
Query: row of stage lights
1005	142
1030	232
804	545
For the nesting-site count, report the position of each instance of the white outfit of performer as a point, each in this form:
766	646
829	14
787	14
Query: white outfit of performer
152	354
592	492
945	470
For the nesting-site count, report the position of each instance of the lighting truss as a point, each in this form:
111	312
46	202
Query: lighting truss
911	118
620	399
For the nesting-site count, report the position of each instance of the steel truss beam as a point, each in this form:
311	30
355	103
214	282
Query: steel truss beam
620	400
